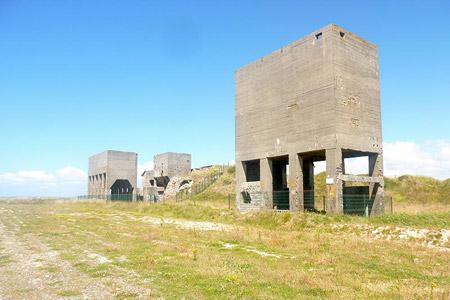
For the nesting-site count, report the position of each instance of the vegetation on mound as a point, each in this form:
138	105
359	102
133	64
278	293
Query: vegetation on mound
420	189
406	188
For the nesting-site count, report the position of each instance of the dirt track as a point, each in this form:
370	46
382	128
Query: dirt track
29	269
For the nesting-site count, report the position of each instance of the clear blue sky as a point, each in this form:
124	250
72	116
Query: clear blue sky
79	77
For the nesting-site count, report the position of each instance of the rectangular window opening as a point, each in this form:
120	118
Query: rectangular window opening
356	165
252	170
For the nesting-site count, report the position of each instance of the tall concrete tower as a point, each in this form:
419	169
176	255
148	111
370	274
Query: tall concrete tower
113	173
315	99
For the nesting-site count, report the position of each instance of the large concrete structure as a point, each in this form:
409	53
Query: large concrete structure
166	166
112	173
315	99
172	164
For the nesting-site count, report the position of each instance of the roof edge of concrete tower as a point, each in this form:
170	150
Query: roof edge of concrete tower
171	152
311	37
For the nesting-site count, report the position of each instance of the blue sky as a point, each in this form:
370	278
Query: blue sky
79	77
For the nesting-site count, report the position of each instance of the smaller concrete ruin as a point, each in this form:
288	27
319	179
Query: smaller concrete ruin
113	175
171	171
150	190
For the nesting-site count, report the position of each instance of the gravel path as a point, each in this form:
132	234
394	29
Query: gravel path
29	269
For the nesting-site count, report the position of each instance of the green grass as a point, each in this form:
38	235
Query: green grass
314	261
50	268
69	293
5	260
194	264
427	220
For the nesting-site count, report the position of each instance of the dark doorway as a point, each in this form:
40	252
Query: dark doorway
280	173
122	190
308	185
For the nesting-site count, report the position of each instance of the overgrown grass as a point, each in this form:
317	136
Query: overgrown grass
69	293
174	263
266	255
198	210
4	260
409	193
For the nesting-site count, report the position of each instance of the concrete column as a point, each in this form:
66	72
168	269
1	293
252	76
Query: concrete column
89	185
104	185
95	185
240	178
335	203
376	190
92	185
100	183
108	184
267	181
295	182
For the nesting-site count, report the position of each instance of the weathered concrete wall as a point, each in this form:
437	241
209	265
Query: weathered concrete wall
320	93
97	169
107	167
172	164
147	178
149	186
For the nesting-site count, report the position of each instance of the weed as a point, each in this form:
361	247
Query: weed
69	293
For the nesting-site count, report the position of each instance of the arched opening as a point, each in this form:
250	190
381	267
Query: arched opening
122	190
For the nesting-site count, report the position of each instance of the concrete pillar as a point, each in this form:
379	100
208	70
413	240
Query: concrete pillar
105	191
108	184
89	185
101	183
95	185
376	190
335	203
240	178
295	182
267	181
103	188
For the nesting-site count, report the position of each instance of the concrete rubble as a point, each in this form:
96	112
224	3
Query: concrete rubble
177	184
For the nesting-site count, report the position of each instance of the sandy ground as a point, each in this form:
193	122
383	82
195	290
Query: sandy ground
29	269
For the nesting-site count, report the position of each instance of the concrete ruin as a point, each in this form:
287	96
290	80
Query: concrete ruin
150	189
112	174
317	99
167	166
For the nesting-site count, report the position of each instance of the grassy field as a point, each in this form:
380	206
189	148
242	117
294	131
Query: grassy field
200	249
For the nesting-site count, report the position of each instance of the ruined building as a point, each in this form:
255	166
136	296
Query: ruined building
317	99
149	185
166	166
112	174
